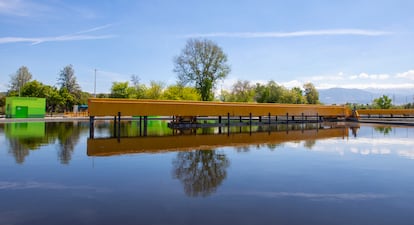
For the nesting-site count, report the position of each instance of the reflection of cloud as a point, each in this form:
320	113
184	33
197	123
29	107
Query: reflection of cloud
317	196
407	153
7	185
367	146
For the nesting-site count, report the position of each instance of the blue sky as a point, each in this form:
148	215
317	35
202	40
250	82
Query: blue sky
351	44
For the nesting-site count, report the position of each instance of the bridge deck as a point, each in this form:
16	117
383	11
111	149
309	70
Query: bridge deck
132	107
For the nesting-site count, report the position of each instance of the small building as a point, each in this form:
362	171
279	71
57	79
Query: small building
25	107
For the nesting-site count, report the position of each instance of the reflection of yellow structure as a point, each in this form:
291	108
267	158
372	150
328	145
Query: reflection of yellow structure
129	107
114	146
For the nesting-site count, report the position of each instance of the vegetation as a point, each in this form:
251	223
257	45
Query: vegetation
201	63
19	79
57	99
383	102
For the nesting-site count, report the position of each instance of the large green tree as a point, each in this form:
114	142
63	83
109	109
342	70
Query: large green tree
69	88
67	80
383	102
122	90
311	94
201	63
19	79
242	91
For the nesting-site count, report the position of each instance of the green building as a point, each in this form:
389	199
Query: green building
25	107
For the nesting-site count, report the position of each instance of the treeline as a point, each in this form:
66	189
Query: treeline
58	99
244	91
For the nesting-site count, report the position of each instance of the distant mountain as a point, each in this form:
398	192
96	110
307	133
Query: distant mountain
343	95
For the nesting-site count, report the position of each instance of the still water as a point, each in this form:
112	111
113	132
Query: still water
53	173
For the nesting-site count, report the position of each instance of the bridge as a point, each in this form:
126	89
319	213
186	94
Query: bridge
188	112
132	107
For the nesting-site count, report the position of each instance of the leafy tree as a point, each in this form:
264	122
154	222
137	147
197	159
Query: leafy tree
155	90
140	89
311	94
20	78
33	89
383	102
2	102
122	90
179	92
297	95
67	80
202	63
242	91
270	93
68	99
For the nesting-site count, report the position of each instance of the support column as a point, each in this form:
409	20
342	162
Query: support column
91	127
145	125
119	124
228	124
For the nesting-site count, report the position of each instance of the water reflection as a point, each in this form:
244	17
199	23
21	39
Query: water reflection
241	141
200	171
383	130
23	138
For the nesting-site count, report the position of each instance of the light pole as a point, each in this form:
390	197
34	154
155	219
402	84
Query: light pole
94	86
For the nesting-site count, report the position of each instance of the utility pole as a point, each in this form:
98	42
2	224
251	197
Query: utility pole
94	87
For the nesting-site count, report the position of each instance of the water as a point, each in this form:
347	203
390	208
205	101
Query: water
52	173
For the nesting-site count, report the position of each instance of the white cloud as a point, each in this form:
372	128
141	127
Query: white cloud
305	33
78	36
21	8
409	75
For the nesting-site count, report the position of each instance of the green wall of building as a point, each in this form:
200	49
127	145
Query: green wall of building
25	107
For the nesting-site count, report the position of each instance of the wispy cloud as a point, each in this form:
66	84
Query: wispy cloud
78	36
305	33
21	8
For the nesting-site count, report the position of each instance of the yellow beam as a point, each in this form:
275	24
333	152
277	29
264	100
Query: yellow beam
386	112
132	107
113	146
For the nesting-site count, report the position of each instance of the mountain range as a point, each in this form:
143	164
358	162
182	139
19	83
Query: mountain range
364	96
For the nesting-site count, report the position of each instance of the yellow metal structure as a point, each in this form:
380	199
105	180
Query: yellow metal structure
389	112
132	107
154	144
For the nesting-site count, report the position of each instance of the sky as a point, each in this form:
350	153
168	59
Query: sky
349	44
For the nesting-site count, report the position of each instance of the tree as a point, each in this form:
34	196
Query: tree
202	63
20	78
121	90
269	93
178	92
33	89
383	102
311	94
242	91
67	80
155	90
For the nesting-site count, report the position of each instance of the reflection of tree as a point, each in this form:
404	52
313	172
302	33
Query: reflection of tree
383	130
67	135
18	150
200	171
309	143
